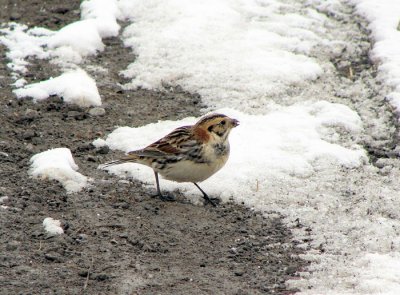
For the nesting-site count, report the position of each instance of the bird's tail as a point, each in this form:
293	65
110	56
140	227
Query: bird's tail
126	159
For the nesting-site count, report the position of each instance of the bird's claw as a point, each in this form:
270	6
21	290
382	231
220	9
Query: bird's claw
212	201
167	197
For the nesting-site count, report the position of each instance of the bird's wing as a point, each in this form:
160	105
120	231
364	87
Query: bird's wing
177	142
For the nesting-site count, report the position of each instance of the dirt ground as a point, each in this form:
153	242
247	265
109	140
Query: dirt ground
118	239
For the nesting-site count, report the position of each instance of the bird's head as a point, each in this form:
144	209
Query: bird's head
215	126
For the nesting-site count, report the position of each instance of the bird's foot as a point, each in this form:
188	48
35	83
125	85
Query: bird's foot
212	201
166	197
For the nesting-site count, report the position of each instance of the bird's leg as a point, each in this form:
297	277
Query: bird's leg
205	196
167	197
157	183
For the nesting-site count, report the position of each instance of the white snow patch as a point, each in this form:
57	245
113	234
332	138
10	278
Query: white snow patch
71	43
23	43
76	40
67	47
104	13
19	83
380	273
52	226
231	52
74	86
99	142
384	20
58	164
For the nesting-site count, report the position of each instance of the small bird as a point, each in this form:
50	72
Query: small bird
188	154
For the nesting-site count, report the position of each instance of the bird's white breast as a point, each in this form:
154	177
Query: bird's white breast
191	171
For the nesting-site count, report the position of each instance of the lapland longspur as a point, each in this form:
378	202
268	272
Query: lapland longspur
189	153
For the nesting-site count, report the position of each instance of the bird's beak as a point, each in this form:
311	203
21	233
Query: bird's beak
235	122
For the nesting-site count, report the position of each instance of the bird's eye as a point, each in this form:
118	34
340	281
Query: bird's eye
223	122
210	128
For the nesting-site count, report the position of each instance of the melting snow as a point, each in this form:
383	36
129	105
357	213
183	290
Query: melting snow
52	226
230	52
384	24
74	87
58	164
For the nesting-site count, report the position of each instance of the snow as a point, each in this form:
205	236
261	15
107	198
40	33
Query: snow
67	44
23	43
105	14
52	226
383	17
381	268
58	164
99	142
71	44
74	87
217	48
299	157
66	48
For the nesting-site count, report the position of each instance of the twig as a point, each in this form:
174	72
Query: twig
351	75
88	274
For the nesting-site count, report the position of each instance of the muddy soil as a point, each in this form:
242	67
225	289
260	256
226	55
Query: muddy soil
118	239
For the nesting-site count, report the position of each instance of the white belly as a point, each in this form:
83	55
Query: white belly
188	171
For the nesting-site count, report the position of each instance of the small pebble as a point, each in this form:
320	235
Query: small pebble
83	273
103	150
31	114
53	257
91	158
102	277
14	16
60	9
29	147
76	115
82	238
97	111
239	272
28	134
122	205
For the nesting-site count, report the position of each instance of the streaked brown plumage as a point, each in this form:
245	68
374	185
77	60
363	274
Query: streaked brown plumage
189	153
